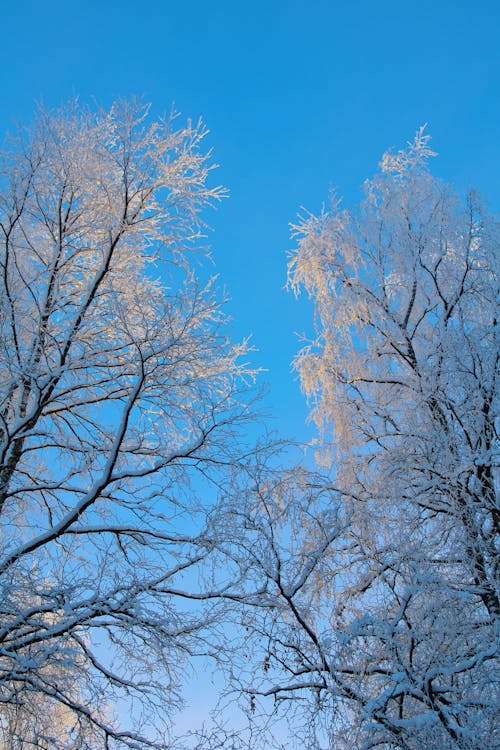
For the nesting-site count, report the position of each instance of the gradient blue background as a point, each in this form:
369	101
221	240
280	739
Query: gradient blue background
298	96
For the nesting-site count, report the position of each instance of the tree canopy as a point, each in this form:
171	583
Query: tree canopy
118	387
359	599
379	622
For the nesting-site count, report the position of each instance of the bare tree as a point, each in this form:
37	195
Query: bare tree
118	390
36	720
378	624
405	366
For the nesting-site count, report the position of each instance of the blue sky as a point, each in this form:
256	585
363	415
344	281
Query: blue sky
299	97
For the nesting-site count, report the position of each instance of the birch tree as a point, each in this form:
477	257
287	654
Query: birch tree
119	390
405	366
379	625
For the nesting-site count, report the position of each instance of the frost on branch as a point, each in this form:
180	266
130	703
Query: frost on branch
118	386
415	156
384	625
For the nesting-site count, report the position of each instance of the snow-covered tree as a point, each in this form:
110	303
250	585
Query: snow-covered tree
119	393
381	607
405	366
35	720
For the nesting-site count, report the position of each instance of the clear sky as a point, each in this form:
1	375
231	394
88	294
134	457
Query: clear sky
298	96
